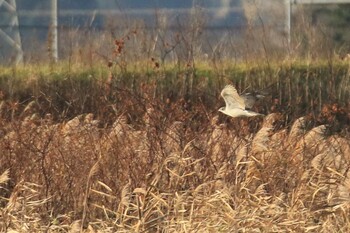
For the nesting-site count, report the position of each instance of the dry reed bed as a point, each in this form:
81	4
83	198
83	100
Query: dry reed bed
242	175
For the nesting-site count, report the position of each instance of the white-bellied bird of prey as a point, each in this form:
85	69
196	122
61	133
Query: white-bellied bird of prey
238	105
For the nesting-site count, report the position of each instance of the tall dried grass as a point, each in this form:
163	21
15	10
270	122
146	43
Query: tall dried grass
163	175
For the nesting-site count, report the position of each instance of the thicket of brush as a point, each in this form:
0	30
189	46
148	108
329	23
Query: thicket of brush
296	89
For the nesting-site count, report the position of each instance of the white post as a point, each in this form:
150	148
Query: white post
288	6
54	40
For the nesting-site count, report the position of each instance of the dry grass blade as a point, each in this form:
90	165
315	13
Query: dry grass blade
94	170
260	140
4	177
92	173
314	136
316	162
344	191
297	129
125	195
105	186
75	227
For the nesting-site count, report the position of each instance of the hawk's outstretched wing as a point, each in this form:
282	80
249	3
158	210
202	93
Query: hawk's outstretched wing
231	97
250	99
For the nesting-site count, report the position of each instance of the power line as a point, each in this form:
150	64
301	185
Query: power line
114	12
320	1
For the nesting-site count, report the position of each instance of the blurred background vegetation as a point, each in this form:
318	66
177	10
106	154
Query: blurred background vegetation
335	19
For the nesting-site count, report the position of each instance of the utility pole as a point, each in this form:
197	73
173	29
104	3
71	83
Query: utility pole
53	33
11	34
